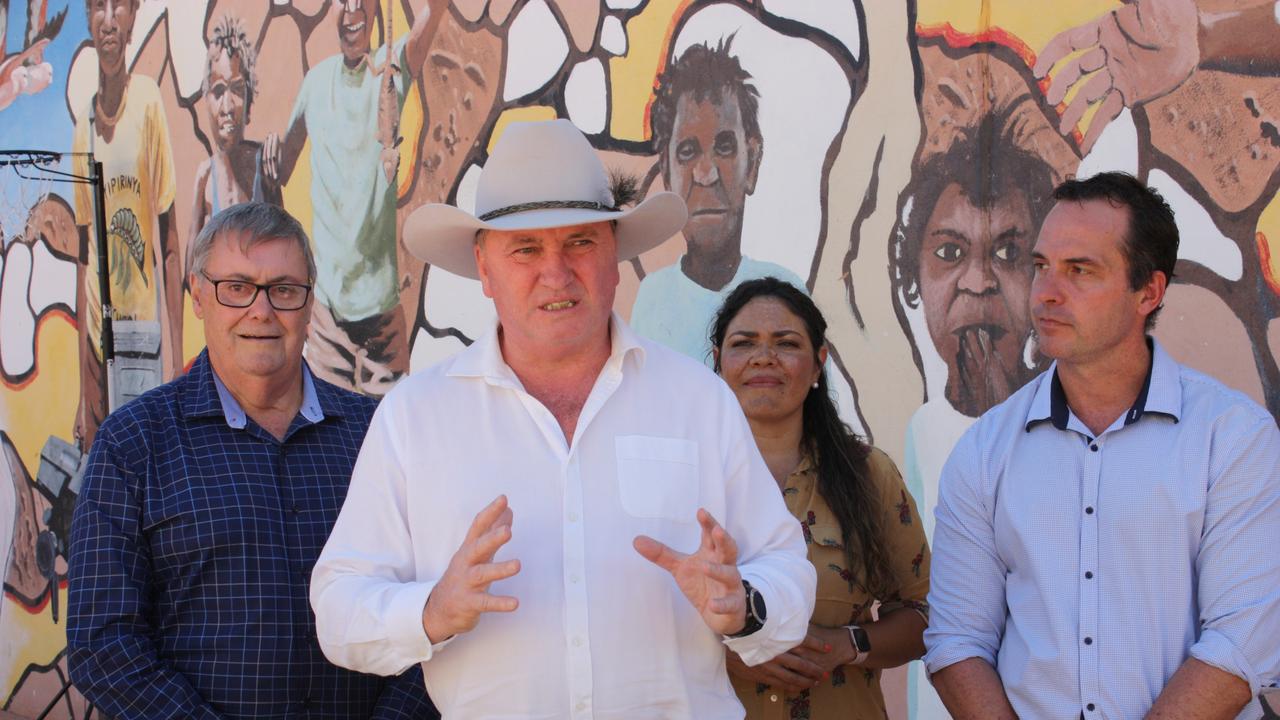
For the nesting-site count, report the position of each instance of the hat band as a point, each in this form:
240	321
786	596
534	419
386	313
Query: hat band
546	205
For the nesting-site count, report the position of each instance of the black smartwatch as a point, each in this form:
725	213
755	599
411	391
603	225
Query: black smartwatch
861	644
755	611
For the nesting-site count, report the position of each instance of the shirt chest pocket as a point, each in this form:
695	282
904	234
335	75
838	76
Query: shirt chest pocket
658	477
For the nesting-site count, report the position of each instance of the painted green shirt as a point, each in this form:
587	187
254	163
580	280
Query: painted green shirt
353	227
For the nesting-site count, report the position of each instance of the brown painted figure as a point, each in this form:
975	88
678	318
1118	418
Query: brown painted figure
967	261
358	336
233	173
125	128
707	136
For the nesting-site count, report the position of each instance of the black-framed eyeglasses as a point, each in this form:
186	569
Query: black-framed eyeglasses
242	293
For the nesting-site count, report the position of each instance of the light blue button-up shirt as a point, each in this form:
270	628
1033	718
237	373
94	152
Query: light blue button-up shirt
1087	569
236	417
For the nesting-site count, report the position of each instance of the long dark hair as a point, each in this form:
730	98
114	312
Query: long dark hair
843	473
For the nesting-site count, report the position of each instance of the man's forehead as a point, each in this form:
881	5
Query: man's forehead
595	229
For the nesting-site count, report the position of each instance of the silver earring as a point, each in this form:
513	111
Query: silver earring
815	384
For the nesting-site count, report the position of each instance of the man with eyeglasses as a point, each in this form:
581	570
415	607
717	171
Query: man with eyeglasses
206	502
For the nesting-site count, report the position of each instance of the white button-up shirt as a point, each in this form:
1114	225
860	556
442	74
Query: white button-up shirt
1087	569
600	632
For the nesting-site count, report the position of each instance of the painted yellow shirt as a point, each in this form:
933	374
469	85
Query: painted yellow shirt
138	167
852	692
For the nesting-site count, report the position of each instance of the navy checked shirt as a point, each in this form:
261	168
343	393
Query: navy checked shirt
191	554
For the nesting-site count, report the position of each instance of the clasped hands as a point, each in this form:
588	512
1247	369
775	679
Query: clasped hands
708	577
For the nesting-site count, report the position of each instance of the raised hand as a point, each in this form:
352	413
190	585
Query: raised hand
1137	53
462	594
709	577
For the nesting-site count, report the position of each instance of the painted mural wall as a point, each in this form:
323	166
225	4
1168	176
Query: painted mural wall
893	157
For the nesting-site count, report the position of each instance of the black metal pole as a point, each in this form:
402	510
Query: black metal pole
104	278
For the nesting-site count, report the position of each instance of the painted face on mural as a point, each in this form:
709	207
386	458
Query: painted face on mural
768	360
1083	306
355	24
227	99
712	164
111	27
554	288
256	341
975	276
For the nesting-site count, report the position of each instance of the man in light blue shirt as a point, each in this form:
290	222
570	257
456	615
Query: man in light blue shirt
1105	539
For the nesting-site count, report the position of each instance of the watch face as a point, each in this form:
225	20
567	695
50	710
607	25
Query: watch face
757	604
860	637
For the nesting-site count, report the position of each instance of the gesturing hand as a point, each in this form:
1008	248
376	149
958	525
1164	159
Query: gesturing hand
462	594
1140	52
709	577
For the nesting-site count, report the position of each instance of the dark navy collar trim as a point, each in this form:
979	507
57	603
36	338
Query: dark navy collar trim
1060	412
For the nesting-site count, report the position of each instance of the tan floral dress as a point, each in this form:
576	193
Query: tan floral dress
852	692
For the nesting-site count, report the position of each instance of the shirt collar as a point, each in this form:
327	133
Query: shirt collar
208	396
484	358
1161	393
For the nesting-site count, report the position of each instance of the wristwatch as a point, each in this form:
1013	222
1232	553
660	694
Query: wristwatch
755	611
861	644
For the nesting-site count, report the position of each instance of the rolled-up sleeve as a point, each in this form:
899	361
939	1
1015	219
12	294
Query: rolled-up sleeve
365	592
967	580
771	549
1238	566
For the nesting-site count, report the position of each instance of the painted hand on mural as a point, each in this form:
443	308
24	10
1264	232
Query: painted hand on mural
1133	54
985	378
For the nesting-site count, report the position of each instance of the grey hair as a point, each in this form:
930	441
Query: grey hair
254	222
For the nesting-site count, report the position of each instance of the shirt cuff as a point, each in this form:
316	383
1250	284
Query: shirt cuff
1214	648
946	654
773	638
404	621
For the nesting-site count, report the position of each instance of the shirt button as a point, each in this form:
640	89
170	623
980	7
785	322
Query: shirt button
573	517
1088	574
581	706
1088	510
577	642
1093	448
1089	707
1088	641
573	579
773	698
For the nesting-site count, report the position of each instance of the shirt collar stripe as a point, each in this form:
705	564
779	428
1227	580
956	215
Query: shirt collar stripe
1162	379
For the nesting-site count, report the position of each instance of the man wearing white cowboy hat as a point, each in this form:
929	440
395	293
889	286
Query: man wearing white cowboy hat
514	508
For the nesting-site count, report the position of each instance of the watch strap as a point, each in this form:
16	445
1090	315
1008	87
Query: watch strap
755	619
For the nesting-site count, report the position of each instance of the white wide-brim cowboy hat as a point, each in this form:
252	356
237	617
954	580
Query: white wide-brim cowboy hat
540	175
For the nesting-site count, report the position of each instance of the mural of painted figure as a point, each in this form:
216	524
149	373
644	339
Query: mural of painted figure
126	130
358	334
967	261
234	172
709	148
